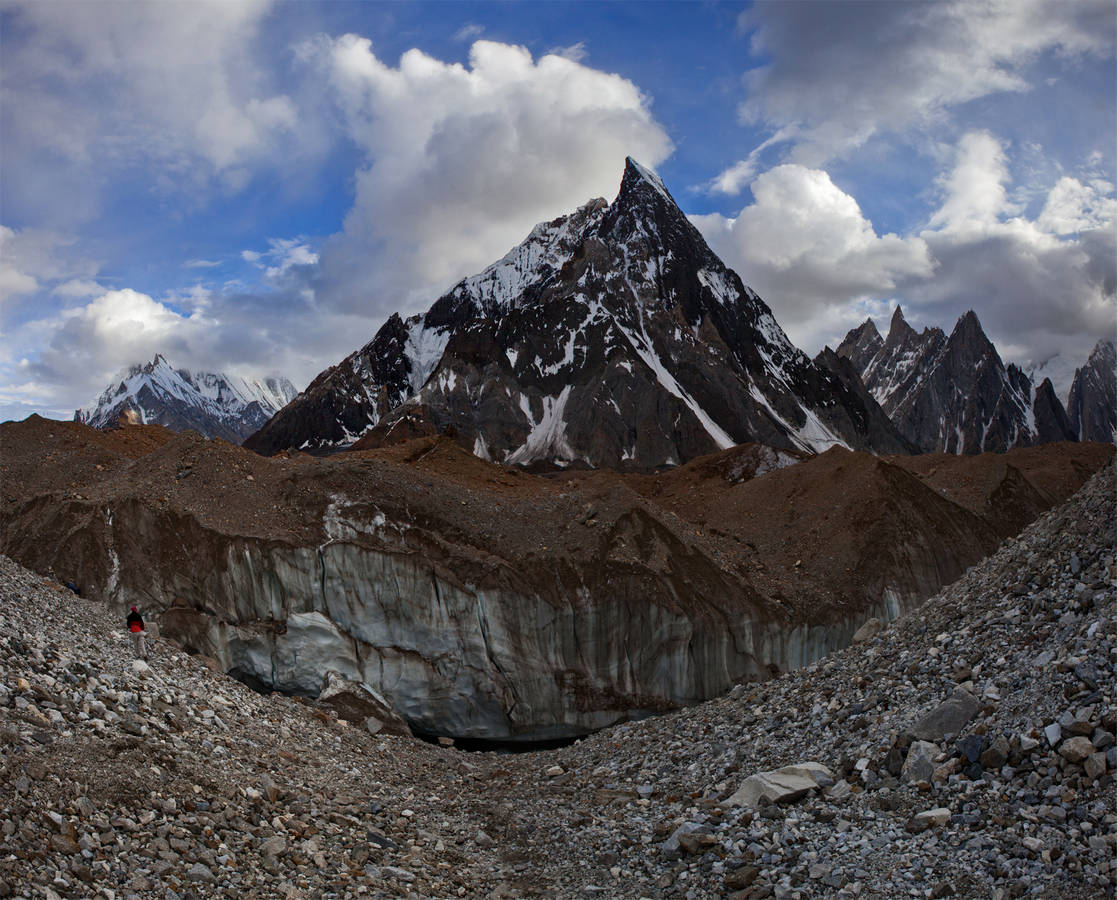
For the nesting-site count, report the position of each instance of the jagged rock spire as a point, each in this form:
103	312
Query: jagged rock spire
1092	404
954	394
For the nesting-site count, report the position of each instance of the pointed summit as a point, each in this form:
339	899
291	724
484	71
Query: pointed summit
956	395
634	174
969	341
861	345
898	328
642	195
1051	419
645	218
613	336
968	325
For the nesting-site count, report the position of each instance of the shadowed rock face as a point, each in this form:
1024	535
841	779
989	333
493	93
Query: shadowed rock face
953	394
1092	405
481	601
612	337
1051	421
861	344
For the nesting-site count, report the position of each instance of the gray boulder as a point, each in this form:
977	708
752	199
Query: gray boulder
868	631
949	717
782	785
920	764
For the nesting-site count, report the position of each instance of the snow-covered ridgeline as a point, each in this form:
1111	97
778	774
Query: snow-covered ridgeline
158	393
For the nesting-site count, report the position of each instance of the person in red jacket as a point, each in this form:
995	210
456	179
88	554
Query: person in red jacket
135	623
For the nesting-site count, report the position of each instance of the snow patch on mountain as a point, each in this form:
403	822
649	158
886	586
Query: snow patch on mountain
502	284
424	349
642	344
547	438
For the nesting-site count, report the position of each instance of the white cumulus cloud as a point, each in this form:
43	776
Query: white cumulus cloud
976	196
806	247
1043	287
33	260
1074	207
464	160
172	93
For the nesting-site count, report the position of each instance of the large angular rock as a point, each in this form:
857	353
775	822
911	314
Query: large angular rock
949	717
782	785
1076	750
868	631
930	818
356	702
920	763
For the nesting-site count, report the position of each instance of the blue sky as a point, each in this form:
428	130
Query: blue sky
253	187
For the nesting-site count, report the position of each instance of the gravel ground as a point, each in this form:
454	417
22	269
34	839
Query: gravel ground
968	750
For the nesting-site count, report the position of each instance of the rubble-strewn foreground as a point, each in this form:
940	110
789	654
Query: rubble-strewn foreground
966	750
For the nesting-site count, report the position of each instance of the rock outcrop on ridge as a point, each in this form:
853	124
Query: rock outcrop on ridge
966	750
953	394
214	405
481	601
1092	405
611	337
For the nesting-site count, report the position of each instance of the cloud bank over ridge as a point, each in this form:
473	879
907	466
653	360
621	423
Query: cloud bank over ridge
254	186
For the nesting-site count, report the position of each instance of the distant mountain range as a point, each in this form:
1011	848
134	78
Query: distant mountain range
212	404
611	337
955	395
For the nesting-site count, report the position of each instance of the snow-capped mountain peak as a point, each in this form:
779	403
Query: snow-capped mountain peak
610	336
213	404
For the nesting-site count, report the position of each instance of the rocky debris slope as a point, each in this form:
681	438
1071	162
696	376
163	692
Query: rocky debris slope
212	404
481	601
967	750
953	394
612	337
1092	404
163	779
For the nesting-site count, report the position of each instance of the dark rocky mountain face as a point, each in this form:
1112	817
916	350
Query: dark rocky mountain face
1051	421
953	394
861	345
611	337
215	405
1092	404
